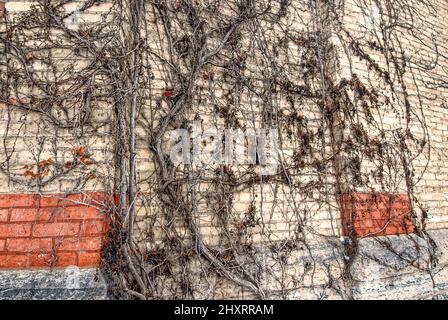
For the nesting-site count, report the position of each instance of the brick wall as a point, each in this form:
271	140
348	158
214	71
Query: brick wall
376	214
57	230
2	8
430	168
53	207
52	230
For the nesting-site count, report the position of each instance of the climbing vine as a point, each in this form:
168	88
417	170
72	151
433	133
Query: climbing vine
96	102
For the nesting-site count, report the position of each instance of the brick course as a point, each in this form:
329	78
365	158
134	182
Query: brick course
376	214
51	231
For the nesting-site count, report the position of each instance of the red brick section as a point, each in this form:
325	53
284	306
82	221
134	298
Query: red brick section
376	214
52	230
2	12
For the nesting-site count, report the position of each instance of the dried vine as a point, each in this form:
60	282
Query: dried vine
148	67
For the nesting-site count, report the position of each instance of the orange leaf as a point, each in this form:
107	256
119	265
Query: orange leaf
81	151
45	163
13	101
28	173
168	93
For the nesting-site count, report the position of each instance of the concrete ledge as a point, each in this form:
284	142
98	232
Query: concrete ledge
398	267
62	284
390	267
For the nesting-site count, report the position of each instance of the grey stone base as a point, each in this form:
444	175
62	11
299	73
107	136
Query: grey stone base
395	267
62	284
399	267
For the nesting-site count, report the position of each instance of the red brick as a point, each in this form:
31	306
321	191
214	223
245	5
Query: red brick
16	230
56	229
13	261
66	259
46	201
81	213
371	232
363	224
56	201
4	215
2	12
29	245
89	259
42	260
358	232
19	215
48	214
17	201
394	230
376	214
93	227
378	224
80	244
403	213
46	260
75	218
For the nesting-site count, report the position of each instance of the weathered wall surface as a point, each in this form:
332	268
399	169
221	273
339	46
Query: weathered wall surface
381	272
54	183
70	283
53	206
421	83
402	271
